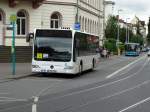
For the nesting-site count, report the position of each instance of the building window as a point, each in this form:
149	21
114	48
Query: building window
80	21
89	26
55	20
83	24
21	23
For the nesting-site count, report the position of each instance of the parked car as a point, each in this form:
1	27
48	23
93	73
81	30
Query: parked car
145	50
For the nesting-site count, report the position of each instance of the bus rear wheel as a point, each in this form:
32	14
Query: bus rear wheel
93	64
80	69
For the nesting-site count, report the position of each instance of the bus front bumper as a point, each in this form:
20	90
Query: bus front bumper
58	69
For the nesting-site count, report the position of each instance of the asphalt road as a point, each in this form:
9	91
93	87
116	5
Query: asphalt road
121	84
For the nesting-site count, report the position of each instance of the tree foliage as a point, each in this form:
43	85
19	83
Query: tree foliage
148	35
111	28
137	39
110	44
111	35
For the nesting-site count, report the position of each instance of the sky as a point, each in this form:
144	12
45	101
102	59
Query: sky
140	8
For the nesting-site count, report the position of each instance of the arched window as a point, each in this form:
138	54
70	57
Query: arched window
87	25
90	26
21	23
96	28
2	16
93	27
80	23
55	20
83	24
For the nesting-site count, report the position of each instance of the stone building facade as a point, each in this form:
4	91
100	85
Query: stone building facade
33	14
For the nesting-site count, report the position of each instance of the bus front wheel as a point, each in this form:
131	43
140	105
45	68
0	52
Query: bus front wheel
80	69
93	64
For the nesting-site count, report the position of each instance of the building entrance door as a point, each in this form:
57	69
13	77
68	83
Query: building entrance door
1	29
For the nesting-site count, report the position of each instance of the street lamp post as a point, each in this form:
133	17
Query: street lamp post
118	33
128	35
77	13
127	32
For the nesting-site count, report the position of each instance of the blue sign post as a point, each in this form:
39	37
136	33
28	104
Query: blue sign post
77	26
13	19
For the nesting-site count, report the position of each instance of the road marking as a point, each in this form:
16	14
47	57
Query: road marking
104	98
127	66
135	105
104	85
34	105
7	99
17	100
45	89
126	90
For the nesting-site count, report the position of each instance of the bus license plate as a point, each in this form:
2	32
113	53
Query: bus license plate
51	71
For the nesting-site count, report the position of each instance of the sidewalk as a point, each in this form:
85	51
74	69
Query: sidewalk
110	58
22	70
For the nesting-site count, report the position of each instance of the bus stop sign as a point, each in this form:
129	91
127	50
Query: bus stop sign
13	18
77	26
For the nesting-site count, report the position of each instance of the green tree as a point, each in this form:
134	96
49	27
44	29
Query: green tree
111	35
111	27
110	44
137	39
123	35
148	35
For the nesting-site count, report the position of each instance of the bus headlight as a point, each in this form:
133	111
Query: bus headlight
35	66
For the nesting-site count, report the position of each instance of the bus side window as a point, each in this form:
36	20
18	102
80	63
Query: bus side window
77	47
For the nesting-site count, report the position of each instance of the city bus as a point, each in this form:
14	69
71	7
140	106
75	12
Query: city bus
132	49
63	51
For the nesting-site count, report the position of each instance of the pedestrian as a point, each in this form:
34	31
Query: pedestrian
105	53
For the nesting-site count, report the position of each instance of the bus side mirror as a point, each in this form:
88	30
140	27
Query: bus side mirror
29	37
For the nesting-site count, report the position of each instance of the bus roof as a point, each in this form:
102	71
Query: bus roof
132	44
66	30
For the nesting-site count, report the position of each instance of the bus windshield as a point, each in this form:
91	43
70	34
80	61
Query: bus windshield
53	45
131	47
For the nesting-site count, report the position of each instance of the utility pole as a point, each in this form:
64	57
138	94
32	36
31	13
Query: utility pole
128	35
127	31
13	19
77	14
118	33
77	25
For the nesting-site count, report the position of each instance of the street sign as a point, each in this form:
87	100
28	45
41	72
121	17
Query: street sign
9	27
77	26
13	18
